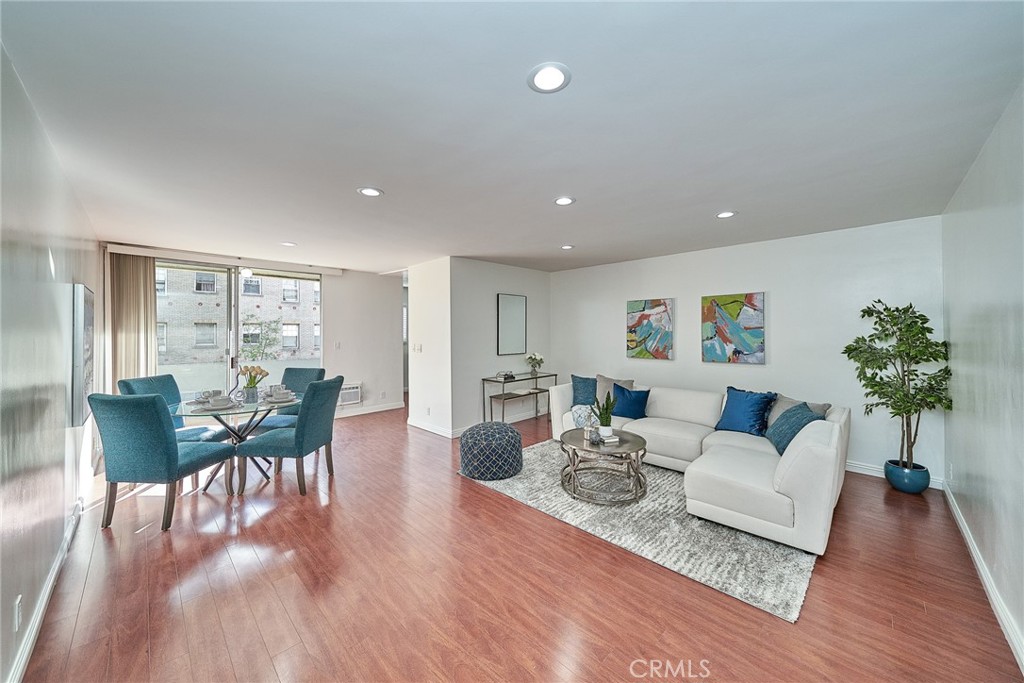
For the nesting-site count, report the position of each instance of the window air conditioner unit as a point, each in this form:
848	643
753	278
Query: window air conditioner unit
351	394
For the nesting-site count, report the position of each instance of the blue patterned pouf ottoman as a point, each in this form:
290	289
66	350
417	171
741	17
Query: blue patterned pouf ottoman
491	450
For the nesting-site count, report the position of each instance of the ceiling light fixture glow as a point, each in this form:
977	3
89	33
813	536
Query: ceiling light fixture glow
289	244
565	201
549	77
245	272
566	247
726	214
370	191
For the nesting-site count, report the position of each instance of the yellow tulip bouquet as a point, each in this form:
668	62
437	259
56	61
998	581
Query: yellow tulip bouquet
253	375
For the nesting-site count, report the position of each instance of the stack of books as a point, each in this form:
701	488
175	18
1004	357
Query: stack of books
609	440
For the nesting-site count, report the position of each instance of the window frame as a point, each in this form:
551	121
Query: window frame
317	335
259	285
316	291
259	333
195	338
298	332
196	283
158	280
284	289
161	347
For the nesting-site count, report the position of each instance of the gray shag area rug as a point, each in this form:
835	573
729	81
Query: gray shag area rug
762	573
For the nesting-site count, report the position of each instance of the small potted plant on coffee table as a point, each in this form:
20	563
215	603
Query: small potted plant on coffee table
889	364
603	413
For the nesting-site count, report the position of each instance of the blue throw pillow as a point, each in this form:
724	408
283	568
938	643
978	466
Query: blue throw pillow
746	411
584	390
788	425
631	403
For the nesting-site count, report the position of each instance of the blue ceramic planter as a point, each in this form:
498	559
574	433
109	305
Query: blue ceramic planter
908	481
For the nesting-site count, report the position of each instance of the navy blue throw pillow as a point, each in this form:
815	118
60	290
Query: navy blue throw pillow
584	390
631	403
746	411
788	425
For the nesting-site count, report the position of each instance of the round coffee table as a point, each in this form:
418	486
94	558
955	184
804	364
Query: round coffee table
604	474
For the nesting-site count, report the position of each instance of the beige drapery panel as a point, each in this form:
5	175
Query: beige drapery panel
132	316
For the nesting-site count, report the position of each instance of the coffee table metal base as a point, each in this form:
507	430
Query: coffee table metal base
604	479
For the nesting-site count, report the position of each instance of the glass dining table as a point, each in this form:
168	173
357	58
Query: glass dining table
240	420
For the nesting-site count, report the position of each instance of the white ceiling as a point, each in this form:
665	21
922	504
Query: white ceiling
230	127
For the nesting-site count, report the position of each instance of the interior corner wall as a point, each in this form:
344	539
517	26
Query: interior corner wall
430	346
362	337
474	289
46	245
983	248
815	287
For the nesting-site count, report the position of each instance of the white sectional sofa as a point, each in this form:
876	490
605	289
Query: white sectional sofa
734	478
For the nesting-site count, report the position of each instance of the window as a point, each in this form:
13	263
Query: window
252	285
206	334
161	282
290	335
289	290
405	323
316	336
251	333
161	337
316	292
206	282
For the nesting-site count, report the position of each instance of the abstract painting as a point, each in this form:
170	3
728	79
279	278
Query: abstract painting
732	328
649	329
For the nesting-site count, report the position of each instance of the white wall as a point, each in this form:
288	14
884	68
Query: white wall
362	337
46	245
475	287
815	287
430	346
983	247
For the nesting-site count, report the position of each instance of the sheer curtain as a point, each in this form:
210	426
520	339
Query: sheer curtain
132	316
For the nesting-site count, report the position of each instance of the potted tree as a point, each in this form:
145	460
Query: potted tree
603	413
889	366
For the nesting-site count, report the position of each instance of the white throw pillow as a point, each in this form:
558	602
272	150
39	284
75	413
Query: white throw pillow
583	416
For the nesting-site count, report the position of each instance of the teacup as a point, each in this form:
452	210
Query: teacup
219	401
210	393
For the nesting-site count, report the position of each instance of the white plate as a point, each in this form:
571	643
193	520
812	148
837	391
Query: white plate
287	399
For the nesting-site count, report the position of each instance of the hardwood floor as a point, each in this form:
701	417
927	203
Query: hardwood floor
398	569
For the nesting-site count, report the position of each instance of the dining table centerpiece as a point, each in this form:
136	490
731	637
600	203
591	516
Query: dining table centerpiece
252	375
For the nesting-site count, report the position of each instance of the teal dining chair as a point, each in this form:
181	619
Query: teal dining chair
296	379
139	447
314	428
167	386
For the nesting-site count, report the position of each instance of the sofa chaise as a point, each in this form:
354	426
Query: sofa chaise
734	478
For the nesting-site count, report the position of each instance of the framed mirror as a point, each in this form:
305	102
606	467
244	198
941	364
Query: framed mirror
511	324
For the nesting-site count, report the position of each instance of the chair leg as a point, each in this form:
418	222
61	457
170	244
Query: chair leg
300	474
108	506
229	476
243	465
180	486
168	506
330	459
195	481
277	465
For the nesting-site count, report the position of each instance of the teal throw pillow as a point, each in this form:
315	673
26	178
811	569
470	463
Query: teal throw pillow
630	403
789	424
584	390
746	411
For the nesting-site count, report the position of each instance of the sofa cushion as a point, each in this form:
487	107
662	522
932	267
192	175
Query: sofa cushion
784	403
631	403
604	386
789	425
584	390
700	407
740	440
746	411
739	479
671	438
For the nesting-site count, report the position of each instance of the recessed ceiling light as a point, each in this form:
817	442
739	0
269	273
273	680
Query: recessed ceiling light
289	244
370	191
567	247
565	201
549	77
726	214
245	272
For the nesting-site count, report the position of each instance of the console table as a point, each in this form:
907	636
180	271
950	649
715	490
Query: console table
505	395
